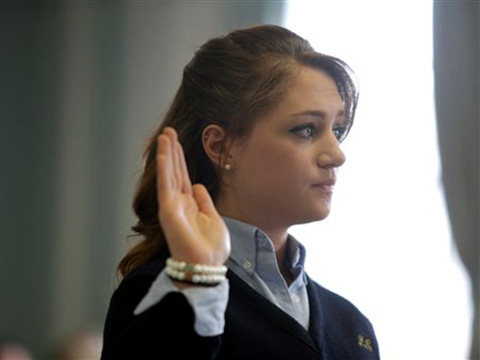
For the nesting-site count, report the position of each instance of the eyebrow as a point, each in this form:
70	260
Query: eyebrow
315	113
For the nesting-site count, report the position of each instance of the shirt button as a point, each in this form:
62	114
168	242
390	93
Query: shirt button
247	265
295	298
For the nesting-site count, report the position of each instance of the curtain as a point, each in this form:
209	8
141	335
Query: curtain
457	78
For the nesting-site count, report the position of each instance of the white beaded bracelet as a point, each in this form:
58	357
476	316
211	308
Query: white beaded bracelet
195	273
184	266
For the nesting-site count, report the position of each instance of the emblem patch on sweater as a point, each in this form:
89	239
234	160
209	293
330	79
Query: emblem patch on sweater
365	343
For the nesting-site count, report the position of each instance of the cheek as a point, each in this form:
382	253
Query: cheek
279	166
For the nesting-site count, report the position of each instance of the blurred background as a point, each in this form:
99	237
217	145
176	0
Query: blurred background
83	84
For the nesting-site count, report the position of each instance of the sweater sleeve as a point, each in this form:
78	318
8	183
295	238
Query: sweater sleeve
165	330
208	303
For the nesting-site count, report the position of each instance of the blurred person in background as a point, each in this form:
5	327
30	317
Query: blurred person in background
80	346
10	350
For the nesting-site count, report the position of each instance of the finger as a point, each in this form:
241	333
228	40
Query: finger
164	181
176	169
204	200
185	177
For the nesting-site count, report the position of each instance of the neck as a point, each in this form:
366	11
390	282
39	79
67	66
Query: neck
270	225
277	234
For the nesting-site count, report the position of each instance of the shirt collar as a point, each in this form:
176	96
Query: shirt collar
243	243
296	254
246	238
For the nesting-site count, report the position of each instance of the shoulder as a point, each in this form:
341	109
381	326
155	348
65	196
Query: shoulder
134	286
343	324
149	270
334	303
127	295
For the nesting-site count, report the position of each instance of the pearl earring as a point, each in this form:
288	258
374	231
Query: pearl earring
227	167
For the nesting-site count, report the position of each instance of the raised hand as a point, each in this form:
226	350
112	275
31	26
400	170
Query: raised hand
194	230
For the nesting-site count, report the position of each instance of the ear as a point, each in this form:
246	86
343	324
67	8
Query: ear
215	142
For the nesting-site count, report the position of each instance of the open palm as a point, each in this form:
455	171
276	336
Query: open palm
194	230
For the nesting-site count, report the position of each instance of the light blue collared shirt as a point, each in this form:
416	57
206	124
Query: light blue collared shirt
253	259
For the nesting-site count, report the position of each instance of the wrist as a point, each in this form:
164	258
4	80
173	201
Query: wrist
195	274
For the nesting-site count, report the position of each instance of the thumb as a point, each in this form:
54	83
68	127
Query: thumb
203	200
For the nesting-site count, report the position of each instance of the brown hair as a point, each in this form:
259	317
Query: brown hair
231	81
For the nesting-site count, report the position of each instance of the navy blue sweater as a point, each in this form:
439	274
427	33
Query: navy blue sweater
254	327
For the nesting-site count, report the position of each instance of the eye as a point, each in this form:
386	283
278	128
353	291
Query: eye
339	131
304	131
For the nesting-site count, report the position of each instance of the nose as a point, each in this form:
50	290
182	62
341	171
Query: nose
329	153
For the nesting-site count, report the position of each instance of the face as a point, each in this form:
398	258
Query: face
284	172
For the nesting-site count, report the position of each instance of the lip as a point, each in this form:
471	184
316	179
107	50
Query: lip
327	186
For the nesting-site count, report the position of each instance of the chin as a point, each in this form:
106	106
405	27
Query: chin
323	215
322	211
318	215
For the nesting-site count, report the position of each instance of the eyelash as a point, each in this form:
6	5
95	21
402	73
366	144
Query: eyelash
338	130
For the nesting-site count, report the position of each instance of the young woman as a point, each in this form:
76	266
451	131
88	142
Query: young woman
256	127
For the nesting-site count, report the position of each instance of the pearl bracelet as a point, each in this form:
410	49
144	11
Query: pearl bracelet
195	273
